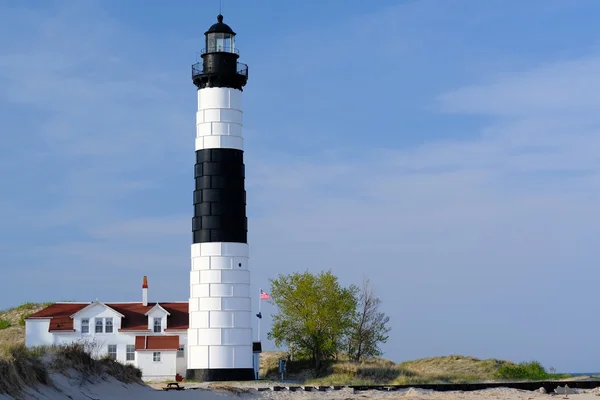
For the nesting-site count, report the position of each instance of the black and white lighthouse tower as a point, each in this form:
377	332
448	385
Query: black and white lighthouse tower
220	330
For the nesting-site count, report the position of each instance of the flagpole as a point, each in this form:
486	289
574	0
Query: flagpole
259	319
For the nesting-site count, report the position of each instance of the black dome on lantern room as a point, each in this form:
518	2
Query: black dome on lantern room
220	27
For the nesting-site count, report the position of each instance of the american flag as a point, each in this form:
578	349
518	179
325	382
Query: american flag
264	295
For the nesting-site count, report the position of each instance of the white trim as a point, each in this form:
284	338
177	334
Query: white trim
96	303
127	346
82	325
160	324
159	306
156	350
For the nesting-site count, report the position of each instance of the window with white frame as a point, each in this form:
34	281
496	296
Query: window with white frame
130	356
180	351
99	325
85	325
157	325
108	325
112	351
156	356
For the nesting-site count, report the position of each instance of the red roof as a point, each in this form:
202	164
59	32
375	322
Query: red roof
156	343
135	320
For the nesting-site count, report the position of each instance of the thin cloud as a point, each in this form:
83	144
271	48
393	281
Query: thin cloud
568	87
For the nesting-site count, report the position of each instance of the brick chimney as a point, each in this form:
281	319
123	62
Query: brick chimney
145	291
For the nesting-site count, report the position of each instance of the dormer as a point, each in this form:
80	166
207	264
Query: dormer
97	318
157	318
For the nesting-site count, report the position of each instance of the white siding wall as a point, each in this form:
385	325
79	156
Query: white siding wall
164	369
36	333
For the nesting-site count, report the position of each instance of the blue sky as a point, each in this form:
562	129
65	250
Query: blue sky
448	150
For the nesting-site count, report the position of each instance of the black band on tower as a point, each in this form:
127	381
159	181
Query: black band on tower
220	374
219	197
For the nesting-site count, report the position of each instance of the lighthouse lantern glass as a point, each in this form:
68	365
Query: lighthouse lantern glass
220	42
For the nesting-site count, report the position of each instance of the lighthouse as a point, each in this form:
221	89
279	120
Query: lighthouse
220	330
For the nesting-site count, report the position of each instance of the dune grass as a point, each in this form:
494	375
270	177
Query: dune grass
446	369
13	331
21	367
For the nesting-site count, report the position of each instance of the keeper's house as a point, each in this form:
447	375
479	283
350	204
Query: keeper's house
151	336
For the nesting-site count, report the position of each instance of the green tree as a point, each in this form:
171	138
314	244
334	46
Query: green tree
369	327
315	313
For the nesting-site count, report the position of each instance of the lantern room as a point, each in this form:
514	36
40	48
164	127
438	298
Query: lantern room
220	38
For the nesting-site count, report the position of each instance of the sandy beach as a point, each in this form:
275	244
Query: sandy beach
75	388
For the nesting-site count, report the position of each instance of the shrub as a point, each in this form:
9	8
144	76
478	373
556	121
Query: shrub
23	318
532	370
4	324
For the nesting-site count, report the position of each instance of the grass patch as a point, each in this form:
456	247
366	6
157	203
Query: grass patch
4	324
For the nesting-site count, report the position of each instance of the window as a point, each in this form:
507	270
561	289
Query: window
112	351
109	325
99	325
130	352
157	325
180	351
156	356
85	325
